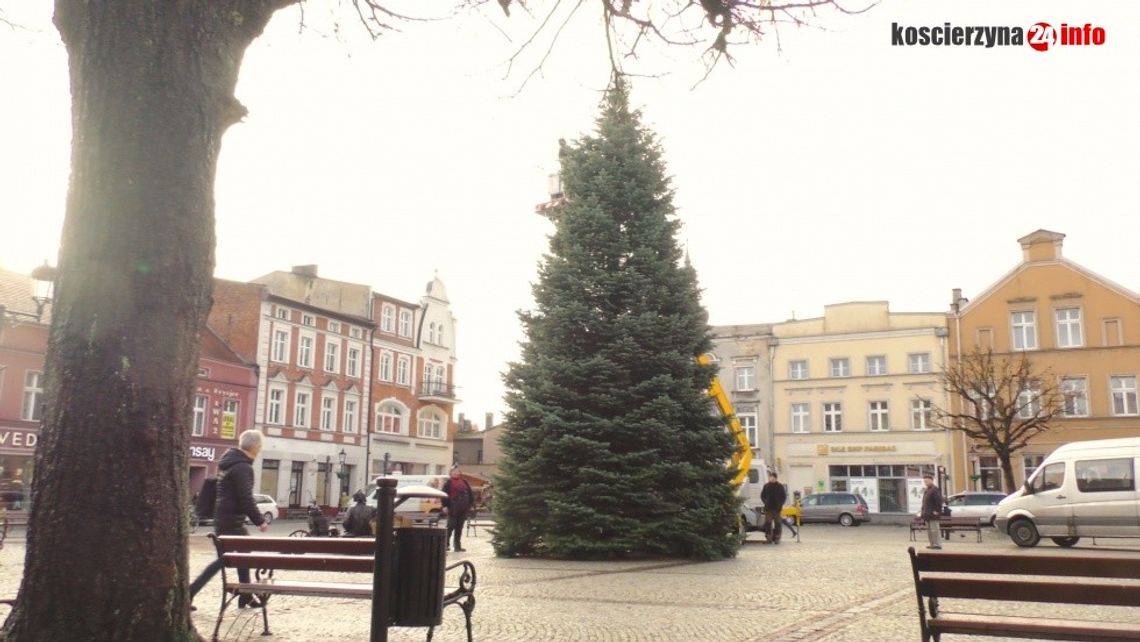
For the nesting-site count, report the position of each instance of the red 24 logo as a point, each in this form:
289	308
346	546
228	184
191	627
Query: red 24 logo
1042	36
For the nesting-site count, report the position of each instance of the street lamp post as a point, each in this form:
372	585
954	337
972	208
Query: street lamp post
342	471
387	463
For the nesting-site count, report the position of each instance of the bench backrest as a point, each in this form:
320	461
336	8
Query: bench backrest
346	555
939	574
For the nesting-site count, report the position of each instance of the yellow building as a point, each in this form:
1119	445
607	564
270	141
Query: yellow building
1082	327
852	398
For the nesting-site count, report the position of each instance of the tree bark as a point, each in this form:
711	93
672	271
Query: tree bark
152	94
1004	458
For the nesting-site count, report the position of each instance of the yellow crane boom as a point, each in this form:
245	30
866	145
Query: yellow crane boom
742	458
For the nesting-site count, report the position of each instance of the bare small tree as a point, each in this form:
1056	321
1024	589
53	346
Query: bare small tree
1001	402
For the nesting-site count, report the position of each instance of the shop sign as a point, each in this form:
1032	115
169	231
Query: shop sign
824	450
203	452
18	439
229	425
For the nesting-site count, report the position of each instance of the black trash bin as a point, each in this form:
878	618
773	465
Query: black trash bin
417	586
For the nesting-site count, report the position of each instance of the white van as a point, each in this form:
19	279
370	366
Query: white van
1083	489
414	504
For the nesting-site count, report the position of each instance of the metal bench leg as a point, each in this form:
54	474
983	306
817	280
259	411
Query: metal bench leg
222	612
468	606
264	599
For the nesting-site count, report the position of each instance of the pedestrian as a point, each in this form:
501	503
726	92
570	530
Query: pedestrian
358	523
343	505
932	511
458	502
234	504
773	496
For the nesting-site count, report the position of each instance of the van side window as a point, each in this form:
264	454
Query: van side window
1105	475
1052	477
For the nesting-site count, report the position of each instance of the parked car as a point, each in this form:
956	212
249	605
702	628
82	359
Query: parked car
847	509
980	504
267	506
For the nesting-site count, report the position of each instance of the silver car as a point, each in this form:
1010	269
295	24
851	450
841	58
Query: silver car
980	504
848	509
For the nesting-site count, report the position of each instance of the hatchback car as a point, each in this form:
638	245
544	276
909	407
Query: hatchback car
980	504
267	506
847	509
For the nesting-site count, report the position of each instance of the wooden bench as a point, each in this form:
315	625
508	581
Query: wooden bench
1068	578
266	555
948	525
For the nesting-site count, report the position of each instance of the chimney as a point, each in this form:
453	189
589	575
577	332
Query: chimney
489	421
957	300
1042	245
305	270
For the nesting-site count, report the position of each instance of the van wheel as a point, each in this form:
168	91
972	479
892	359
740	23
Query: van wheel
1024	533
846	519
1065	542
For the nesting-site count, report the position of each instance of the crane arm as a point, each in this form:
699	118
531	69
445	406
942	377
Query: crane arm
742	457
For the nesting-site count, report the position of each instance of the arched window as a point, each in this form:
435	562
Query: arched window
390	418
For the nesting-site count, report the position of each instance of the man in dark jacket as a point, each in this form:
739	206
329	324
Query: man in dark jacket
773	496
932	511
358	523
458	502
234	504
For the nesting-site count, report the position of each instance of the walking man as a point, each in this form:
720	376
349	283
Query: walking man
458	502
773	496
932	511
234	504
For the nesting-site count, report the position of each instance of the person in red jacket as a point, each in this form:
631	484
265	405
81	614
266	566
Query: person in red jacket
458	503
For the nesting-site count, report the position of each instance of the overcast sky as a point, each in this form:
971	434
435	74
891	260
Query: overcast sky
833	168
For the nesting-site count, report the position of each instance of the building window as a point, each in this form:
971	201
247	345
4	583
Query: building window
274	412
746	378
1112	334
390	418
1075	395
332	356
1031	463
305	351
833	417
352	365
879	415
301	410
385	366
1124	395
801	418
989	473
405	323
918	363
308	319
921	414
33	396
355	333
798	369
280	352
841	367
1069	333
431	332
431	424
1027	401
748	425
349	415
334	326
231	406
199	426
403	370
1024	327
876	365
387	318
282	313
439	335
328	413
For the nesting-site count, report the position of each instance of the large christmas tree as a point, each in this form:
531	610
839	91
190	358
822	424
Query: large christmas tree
610	446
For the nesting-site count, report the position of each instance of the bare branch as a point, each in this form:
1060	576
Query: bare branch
553	41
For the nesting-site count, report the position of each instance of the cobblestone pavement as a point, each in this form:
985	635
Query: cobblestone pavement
837	585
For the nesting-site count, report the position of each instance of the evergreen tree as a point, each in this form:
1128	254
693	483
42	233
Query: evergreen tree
610	445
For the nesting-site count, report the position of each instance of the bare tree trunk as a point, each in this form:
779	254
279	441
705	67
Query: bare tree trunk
152	93
1006	471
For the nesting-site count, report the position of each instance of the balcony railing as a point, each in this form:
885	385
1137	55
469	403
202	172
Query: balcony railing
437	390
